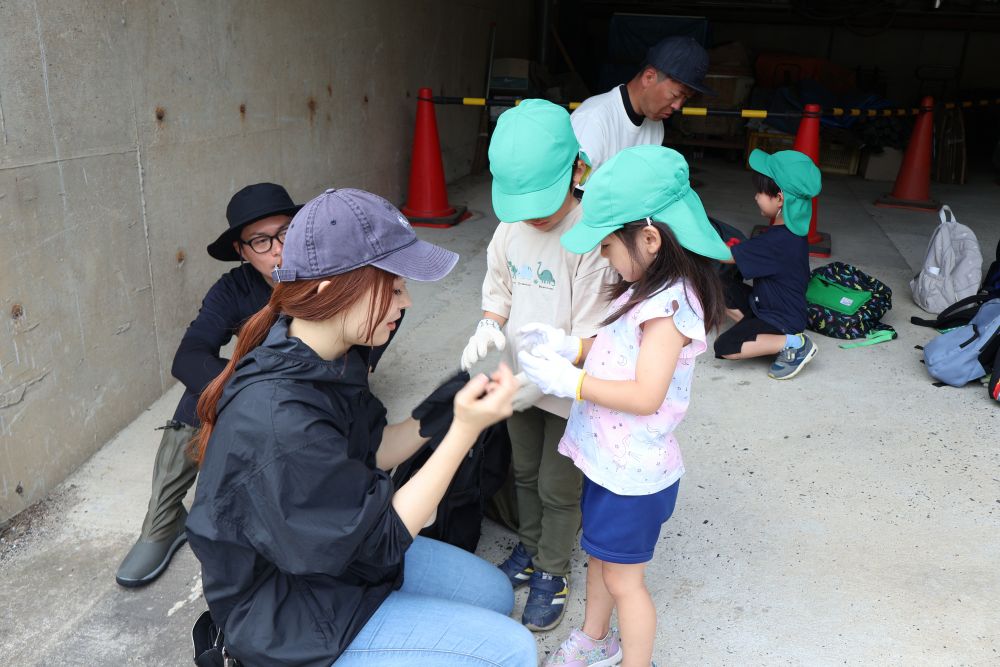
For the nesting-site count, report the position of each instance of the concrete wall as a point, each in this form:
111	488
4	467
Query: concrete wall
125	128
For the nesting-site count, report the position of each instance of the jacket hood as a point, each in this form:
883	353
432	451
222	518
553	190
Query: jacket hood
284	357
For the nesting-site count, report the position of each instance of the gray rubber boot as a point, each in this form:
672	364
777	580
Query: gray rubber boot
163	528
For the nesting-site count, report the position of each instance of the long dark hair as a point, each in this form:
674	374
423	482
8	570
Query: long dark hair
672	263
299	299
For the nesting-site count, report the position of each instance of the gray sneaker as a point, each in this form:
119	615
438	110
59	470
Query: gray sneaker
148	559
790	361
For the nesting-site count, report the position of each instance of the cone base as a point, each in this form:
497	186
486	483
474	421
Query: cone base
927	205
817	248
459	214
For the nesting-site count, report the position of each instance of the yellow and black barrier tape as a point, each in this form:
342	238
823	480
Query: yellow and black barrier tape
742	113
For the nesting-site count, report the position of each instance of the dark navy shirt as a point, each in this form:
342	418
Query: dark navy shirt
229	303
778	263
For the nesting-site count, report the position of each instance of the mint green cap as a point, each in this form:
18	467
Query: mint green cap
639	183
532	154
799	179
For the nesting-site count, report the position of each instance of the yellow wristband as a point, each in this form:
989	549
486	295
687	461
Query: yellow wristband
579	386
579	355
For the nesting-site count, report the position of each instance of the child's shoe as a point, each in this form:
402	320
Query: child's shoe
790	361
582	651
546	601
518	566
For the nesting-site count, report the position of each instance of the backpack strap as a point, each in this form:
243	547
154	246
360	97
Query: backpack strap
953	315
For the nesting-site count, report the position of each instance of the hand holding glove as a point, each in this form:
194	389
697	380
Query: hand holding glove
553	373
527	394
487	335
537	333
437	410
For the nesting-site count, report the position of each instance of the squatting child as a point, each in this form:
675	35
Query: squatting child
770	316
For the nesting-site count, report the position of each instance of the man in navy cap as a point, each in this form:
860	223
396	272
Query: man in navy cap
632	114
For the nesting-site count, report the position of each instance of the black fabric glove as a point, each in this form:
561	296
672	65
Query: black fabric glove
437	410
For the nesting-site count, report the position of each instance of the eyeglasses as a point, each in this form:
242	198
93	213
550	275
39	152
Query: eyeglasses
262	243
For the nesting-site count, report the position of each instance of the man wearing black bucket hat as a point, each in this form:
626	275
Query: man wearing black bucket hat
633	113
258	216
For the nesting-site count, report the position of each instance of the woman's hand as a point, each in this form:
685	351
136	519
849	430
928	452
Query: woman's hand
485	401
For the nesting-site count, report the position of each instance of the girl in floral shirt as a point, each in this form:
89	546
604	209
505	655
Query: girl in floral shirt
635	384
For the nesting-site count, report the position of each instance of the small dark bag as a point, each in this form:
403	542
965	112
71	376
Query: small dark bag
209	644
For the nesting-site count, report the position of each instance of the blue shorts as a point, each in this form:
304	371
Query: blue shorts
623	529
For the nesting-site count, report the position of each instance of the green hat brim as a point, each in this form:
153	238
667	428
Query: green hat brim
686	218
688	221
531	205
582	238
796	211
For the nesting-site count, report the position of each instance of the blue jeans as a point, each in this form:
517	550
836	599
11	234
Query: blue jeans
453	609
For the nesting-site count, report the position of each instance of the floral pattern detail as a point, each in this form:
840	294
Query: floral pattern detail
634	454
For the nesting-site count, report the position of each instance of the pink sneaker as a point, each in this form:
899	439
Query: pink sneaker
582	651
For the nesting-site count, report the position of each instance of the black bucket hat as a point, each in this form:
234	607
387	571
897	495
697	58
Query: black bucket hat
252	203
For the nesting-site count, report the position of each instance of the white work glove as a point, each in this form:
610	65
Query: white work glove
537	333
527	394
487	335
553	373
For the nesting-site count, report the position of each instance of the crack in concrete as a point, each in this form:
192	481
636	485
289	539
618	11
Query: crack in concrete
16	395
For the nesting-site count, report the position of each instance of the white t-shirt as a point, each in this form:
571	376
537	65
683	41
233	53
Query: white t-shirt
530	277
603	128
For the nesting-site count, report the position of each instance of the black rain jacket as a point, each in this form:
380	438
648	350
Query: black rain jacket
292	521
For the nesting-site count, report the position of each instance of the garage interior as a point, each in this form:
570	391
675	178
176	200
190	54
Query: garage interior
847	517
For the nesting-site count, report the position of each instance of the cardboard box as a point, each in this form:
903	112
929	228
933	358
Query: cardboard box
882	166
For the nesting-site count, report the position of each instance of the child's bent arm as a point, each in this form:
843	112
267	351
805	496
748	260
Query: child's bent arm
658	354
585	345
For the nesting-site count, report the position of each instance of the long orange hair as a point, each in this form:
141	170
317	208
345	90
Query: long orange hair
300	299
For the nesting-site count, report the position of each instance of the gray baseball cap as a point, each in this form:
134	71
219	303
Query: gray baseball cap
345	229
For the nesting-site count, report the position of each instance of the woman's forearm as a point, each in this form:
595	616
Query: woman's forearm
399	442
417	500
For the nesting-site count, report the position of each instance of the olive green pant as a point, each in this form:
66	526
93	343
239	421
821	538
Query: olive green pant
547	486
173	474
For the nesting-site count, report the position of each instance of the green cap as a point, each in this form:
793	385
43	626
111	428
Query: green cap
644	182
532	154
799	180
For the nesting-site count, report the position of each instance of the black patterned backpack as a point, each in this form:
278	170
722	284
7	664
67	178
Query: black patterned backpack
845	302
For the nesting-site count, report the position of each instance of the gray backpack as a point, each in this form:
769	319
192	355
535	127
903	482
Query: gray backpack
966	353
953	266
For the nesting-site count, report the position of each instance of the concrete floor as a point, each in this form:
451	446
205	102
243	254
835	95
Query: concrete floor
849	516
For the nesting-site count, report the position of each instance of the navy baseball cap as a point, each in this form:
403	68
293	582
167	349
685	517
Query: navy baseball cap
683	59
345	229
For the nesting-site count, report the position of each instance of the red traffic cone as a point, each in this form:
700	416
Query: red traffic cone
913	182
807	142
427	201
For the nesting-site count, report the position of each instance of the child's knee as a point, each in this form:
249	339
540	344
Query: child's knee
622	580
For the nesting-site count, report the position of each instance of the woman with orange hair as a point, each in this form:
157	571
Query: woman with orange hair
302	537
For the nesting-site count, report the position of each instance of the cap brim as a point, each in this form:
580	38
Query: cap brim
760	162
222	247
700	87
688	221
510	207
421	261
582	238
